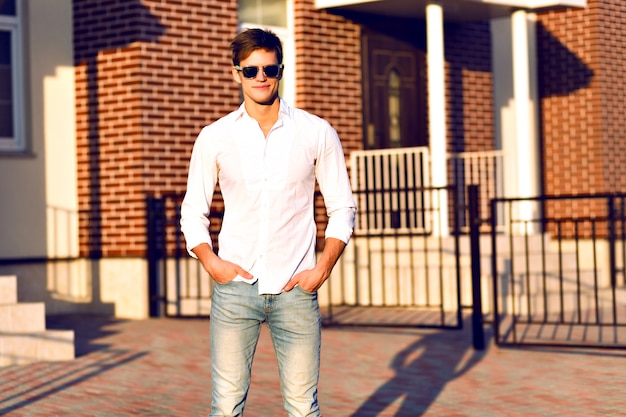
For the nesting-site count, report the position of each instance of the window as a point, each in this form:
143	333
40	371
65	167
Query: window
273	15
11	137
264	12
393	94
6	86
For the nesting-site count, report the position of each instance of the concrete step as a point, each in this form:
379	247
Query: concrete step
30	347
22	318
8	289
23	335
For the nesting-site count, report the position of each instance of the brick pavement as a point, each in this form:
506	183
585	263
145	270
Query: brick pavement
160	367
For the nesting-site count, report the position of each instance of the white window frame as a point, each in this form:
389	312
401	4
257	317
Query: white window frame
12	24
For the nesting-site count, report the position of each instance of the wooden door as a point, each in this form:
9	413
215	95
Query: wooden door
394	92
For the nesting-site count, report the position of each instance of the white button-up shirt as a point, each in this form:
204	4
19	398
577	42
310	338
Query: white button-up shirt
268	186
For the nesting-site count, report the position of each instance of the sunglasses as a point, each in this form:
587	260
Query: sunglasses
270	71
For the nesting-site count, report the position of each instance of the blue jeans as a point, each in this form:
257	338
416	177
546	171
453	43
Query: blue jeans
294	321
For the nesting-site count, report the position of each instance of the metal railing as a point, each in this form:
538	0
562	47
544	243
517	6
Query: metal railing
406	171
558	277
383	262
388	185
399	276
485	170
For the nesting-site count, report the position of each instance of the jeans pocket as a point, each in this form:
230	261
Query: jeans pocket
299	288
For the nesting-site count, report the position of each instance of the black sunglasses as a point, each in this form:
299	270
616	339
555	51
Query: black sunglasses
270	71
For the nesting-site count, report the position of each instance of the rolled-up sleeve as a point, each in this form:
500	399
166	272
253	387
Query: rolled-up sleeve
334	182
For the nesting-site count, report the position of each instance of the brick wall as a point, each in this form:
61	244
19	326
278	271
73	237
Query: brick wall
469	87
149	75
612	56
330	80
583	90
328	76
328	70
571	114
328	62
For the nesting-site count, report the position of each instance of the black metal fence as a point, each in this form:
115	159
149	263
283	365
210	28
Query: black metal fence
391	274
175	280
555	275
402	266
558	271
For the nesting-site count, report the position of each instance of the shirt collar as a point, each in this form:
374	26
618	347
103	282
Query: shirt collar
284	111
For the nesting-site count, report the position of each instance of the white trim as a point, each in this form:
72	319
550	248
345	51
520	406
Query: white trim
323	4
527	142
525	4
377	169
504	113
536	4
12	24
437	110
8	20
289	52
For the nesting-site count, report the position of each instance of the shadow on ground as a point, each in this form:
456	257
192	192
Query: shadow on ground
422	371
43	380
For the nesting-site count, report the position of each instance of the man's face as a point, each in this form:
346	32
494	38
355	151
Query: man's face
261	89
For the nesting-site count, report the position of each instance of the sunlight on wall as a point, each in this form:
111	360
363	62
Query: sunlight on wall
60	163
69	281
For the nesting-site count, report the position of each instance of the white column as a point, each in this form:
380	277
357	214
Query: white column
504	105
525	99
437	113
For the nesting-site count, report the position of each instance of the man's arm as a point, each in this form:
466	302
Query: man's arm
195	209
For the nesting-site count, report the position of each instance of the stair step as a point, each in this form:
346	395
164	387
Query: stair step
30	347
22	318
8	289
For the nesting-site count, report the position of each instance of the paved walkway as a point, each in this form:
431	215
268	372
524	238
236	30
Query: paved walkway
160	367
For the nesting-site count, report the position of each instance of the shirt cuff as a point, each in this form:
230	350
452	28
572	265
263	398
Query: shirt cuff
342	232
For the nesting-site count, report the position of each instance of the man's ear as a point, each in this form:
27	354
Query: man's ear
236	76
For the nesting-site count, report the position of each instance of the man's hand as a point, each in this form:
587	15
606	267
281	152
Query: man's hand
309	280
220	270
312	279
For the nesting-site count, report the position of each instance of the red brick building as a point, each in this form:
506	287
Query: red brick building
538	88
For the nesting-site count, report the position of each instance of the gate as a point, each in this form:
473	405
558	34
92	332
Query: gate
557	273
178	285
398	273
553	276
402	265
403	272
410	261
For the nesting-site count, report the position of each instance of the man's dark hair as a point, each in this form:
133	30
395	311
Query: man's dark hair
250	40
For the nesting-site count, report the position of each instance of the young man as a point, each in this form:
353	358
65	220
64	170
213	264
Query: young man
266	157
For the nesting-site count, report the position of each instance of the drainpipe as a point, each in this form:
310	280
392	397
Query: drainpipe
437	115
